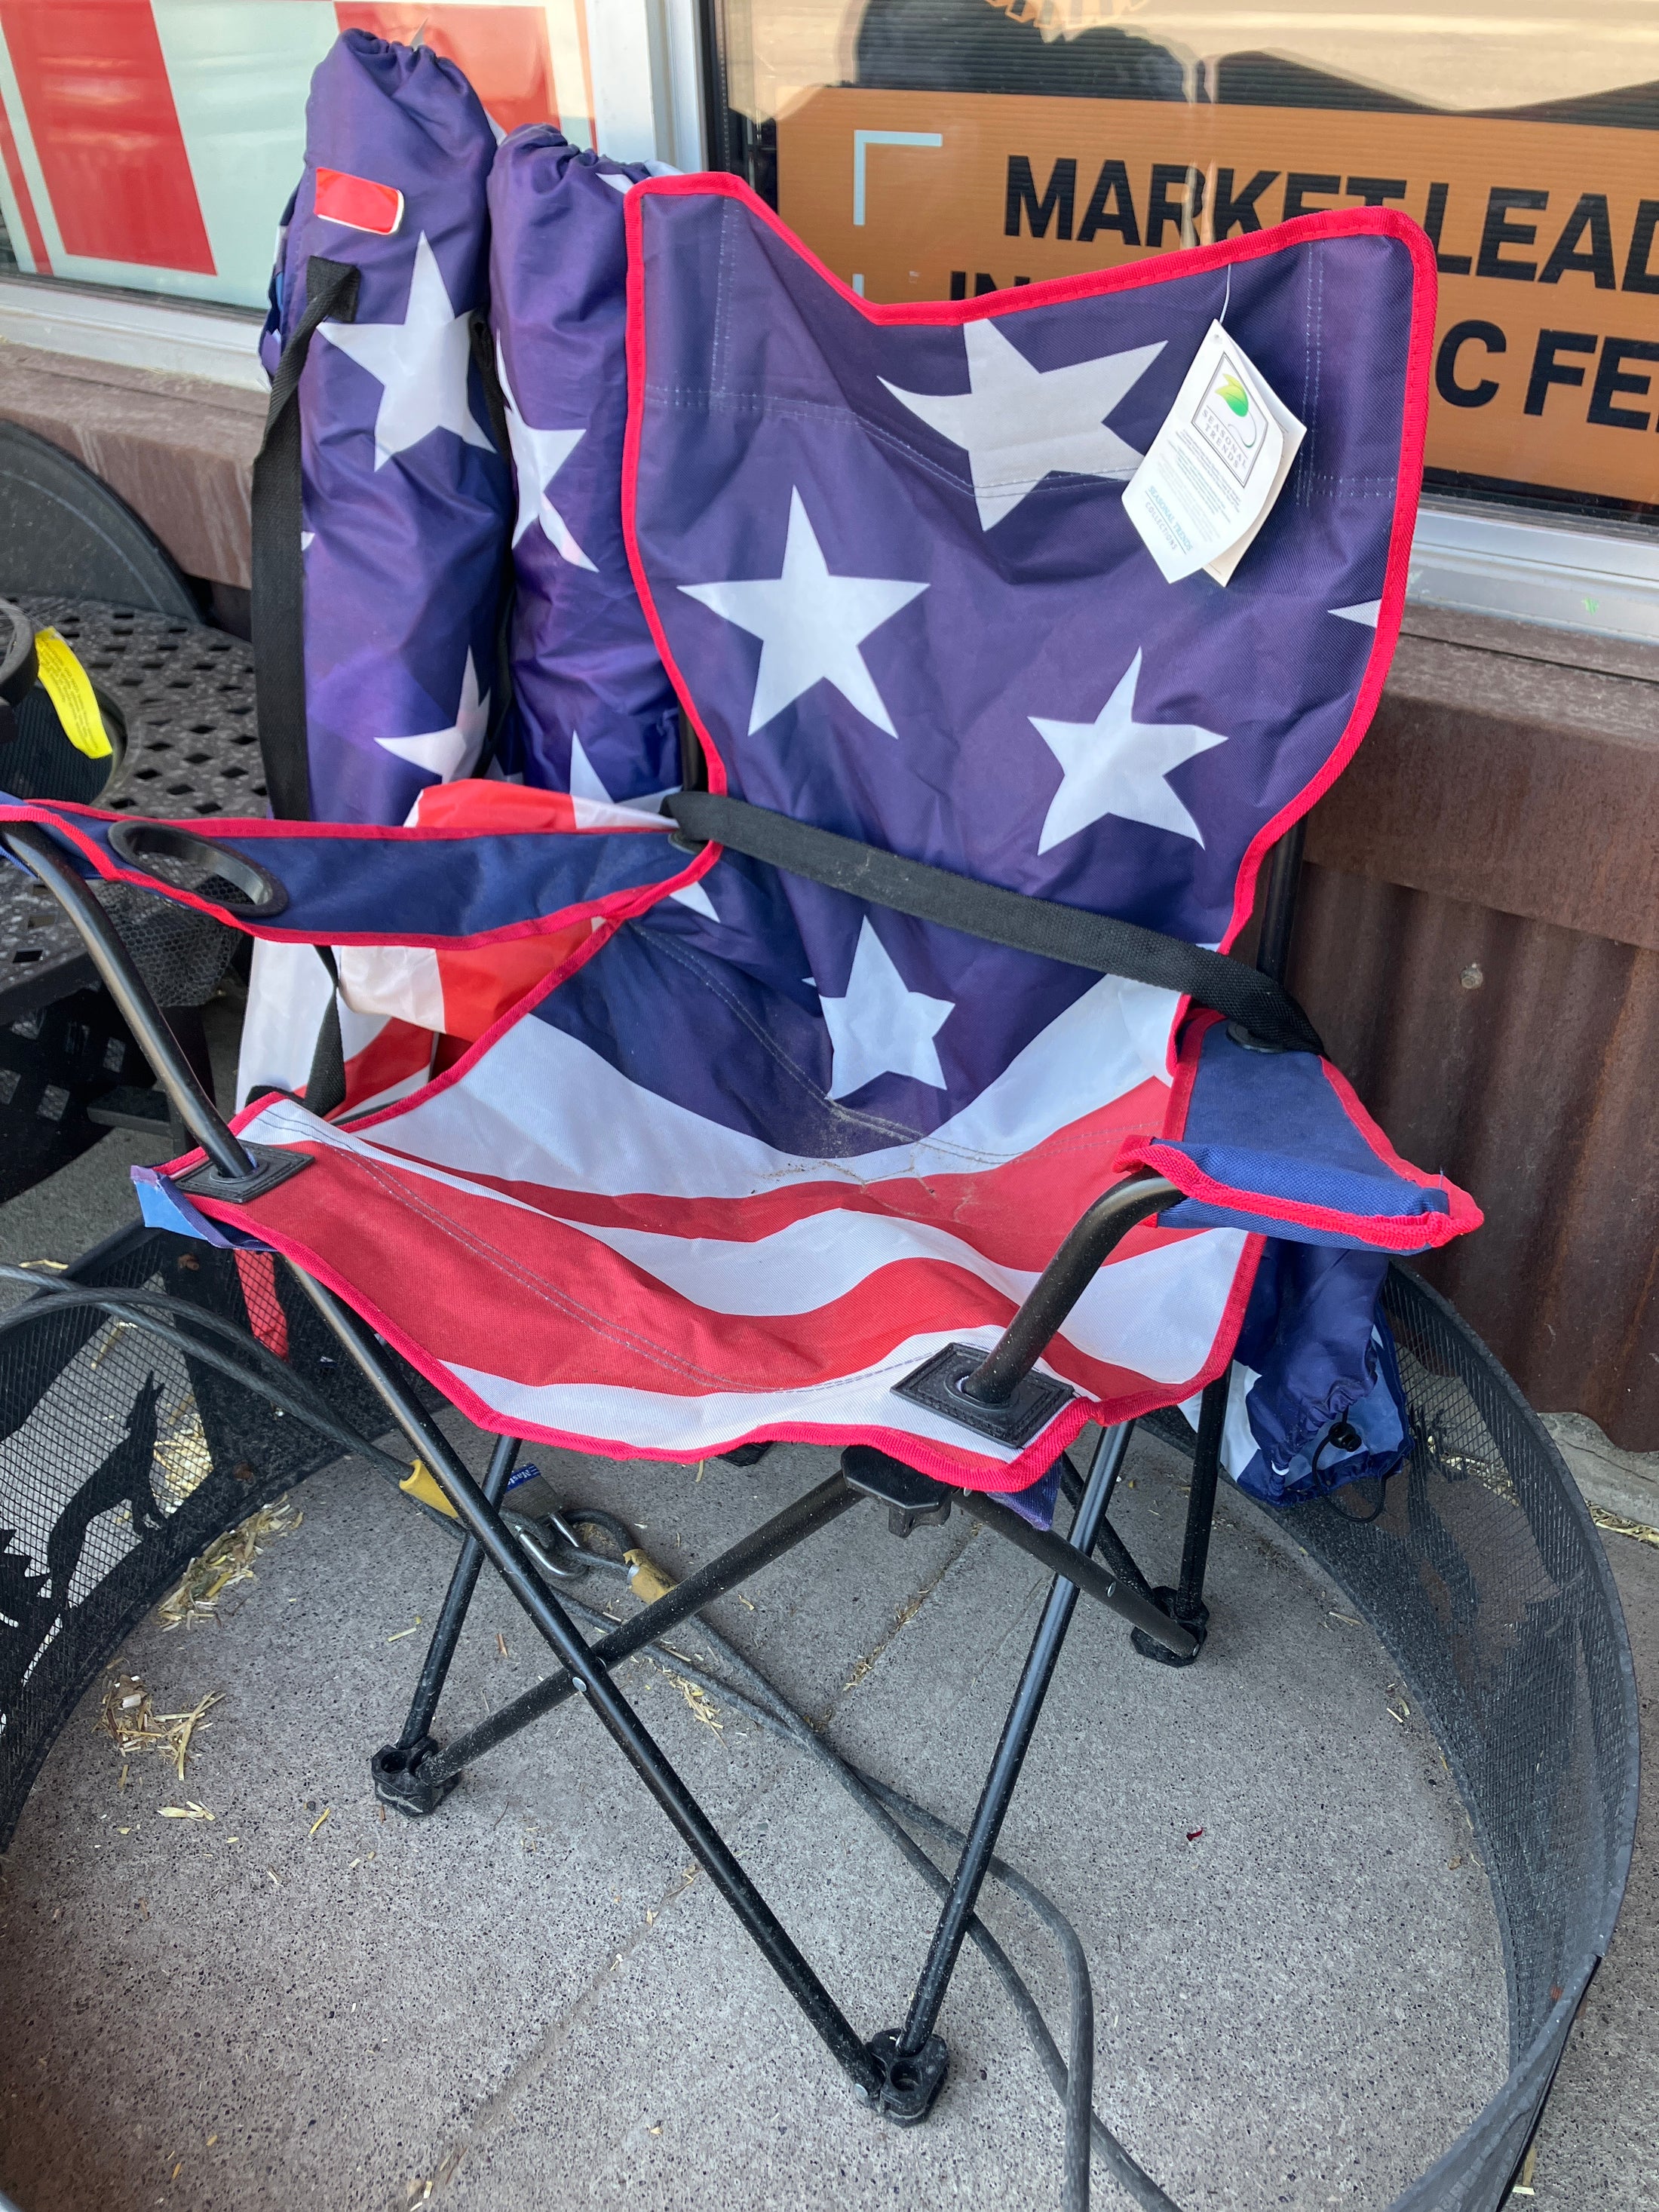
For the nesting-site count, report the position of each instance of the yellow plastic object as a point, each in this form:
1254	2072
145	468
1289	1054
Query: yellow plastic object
70	689
420	1484
646	1580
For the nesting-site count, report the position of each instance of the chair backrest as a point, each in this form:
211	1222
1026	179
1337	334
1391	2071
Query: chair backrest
592	712
1010	688
405	497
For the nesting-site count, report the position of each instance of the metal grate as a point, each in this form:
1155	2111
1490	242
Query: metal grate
121	1459
1484	1577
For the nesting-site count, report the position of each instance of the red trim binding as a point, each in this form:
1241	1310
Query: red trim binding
1415	1233
1334	222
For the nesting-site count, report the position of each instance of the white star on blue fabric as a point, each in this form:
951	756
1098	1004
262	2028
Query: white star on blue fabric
1019	423
537	457
451	753
810	625
1365	612
1116	765
421	364
586	783
879	1027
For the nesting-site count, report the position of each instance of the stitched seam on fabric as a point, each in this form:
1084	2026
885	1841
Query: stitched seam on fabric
896	1130
692	398
722	295
915	1138
503	1262
670	1362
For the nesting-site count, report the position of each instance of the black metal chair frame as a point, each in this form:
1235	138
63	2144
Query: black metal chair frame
899	2071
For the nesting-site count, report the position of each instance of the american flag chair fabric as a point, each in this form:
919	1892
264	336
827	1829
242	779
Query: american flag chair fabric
751	1149
717	1151
592	711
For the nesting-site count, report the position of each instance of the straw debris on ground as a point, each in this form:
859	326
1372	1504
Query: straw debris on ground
130	1719
183	1454
1639	1531
227	1562
696	1698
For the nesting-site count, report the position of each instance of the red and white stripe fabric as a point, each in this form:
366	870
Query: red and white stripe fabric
406	1012
629	1278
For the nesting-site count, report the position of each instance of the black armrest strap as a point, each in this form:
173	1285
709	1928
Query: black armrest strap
1016	919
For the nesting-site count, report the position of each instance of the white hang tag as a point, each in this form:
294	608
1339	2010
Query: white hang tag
1216	467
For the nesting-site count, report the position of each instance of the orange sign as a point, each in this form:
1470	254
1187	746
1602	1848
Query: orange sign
1546	361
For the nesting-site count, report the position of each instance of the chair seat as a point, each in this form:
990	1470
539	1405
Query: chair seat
632	1218
577	1259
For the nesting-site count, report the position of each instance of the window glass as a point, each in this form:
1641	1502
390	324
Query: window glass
152	144
938	148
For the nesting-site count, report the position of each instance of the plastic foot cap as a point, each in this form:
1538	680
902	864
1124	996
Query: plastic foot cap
1195	1618
909	2084
398	1782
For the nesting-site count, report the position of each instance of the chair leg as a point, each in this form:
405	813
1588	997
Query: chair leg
734	1566
481	1519
915	2046
1186	1603
396	1766
747	1455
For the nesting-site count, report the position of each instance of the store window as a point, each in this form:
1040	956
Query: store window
938	148
150	144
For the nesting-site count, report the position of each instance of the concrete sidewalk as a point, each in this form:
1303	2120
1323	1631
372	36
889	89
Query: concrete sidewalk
1303	2003
530	2000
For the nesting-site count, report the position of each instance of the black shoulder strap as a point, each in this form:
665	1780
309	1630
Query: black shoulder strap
325	1085
1261	1006
278	608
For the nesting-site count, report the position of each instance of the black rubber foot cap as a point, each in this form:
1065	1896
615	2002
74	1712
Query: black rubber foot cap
909	2085
1195	1618
398	1782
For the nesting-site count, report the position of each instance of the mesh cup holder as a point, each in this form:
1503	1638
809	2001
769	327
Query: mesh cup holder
182	954
1483	1575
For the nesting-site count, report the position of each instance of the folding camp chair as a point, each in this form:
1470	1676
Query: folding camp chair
682	1194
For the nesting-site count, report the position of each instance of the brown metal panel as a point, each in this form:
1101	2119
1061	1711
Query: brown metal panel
1520	1058
177	449
1509	780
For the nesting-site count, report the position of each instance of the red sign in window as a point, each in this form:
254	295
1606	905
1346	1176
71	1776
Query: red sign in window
106	132
502	51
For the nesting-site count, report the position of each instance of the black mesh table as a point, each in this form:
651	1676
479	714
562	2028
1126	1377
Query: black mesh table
183	695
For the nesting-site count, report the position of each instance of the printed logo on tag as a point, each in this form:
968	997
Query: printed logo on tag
1226	418
1211	476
